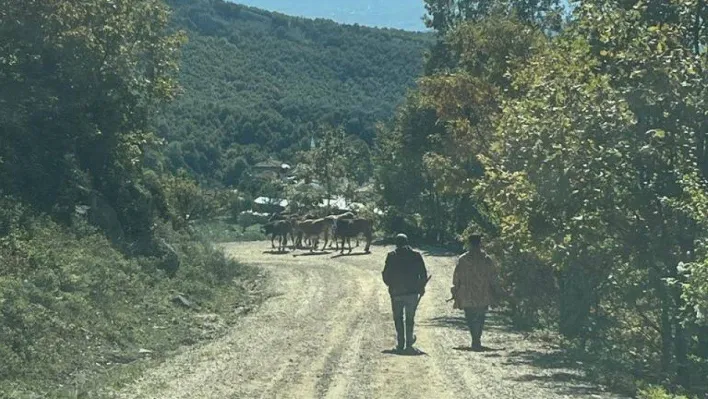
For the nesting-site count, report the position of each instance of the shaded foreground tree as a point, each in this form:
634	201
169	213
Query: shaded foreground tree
600	166
81	81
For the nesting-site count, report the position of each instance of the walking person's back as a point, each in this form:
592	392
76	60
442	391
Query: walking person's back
475	287
405	275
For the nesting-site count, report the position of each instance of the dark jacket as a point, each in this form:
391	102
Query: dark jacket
405	272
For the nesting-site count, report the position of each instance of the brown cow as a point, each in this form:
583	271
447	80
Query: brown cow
351	228
312	229
297	232
333	219
280	229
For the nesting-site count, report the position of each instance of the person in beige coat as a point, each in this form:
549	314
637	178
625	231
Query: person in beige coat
475	287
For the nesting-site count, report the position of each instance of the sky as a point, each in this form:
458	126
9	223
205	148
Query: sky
398	14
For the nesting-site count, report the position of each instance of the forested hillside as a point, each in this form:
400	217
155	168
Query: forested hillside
254	83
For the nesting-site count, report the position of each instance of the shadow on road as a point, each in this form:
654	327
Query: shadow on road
495	322
438	252
564	372
274	252
567	373
546	360
484	349
312	253
414	352
351	254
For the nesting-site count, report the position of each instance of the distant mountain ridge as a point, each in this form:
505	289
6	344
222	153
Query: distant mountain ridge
397	14
256	82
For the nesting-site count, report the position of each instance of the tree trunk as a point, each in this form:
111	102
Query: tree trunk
656	275
682	365
575	301
697	26
680	342
666	336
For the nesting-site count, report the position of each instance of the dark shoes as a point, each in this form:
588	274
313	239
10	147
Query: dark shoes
401	347
476	345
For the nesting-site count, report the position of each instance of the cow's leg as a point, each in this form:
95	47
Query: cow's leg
369	234
349	241
272	238
342	246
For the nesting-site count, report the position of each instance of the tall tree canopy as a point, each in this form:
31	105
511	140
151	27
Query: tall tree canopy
81	81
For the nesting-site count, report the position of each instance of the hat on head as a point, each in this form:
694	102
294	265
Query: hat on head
401	240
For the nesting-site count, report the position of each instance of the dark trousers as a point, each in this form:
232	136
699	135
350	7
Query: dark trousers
475	317
404	304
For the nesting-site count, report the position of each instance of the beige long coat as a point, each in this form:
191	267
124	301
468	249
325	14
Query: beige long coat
475	281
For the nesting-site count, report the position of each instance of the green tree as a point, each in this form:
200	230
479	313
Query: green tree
81	81
325	163
582	154
595	169
253	90
445	15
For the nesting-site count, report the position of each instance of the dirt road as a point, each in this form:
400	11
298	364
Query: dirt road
325	333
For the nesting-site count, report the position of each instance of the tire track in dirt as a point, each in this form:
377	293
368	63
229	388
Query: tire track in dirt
346	370
401	376
325	329
339	359
326	341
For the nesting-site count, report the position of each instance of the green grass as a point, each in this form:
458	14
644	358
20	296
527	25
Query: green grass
222	230
75	313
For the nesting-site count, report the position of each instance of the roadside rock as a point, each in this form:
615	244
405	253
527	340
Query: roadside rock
183	301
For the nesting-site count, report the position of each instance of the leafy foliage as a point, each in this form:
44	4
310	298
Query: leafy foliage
80	83
72	306
582	154
84	233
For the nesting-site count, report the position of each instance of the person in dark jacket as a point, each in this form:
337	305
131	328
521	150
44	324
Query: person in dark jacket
406	276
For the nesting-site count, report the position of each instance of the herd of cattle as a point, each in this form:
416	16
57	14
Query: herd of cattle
308	230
